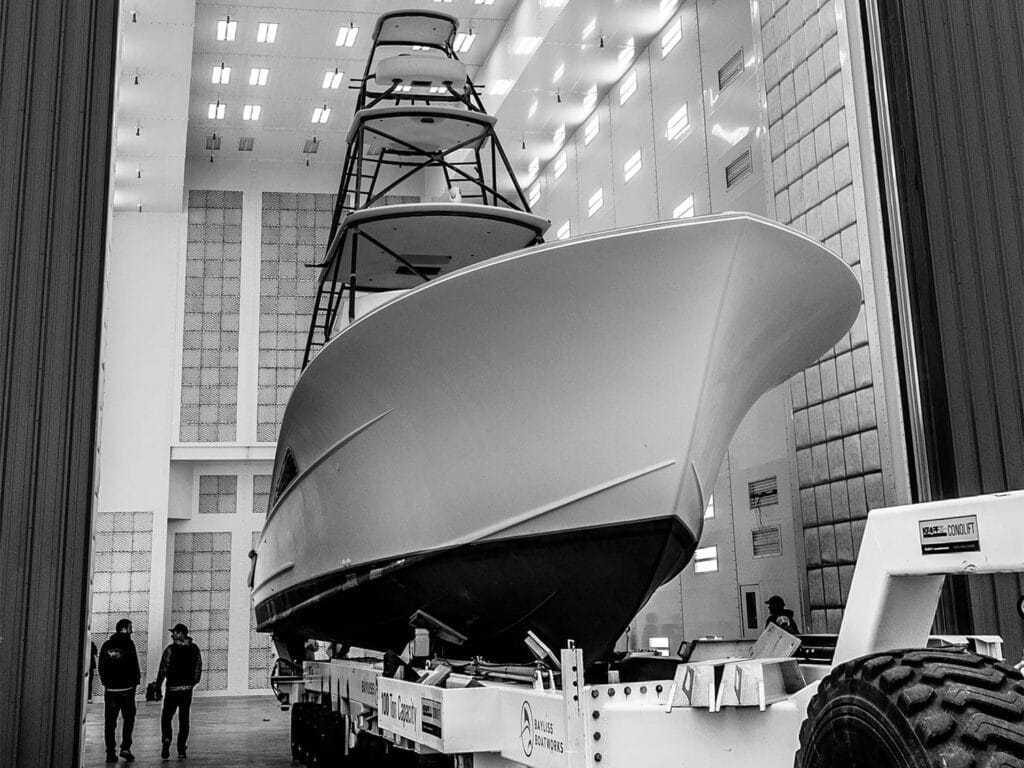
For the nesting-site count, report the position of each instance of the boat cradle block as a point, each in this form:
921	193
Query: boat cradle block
422	71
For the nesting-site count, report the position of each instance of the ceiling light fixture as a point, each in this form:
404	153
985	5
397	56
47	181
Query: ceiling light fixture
558	97
266	32
140	206
221	75
138	129
216	111
347	35
258	76
464	41
226	29
138	174
136	77
333	79
321	114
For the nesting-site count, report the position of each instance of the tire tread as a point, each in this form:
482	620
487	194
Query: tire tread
966	710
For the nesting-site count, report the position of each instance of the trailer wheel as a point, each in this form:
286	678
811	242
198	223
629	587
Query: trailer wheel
935	708
299	730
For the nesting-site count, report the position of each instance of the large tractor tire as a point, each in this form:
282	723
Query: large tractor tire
935	708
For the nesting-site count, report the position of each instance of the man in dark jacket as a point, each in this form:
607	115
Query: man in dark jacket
119	673
182	667
780	615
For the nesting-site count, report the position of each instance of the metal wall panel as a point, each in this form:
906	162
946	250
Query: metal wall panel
56	93
952	74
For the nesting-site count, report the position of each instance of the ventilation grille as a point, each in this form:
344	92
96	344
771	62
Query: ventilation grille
245	144
213	142
763	493
767	541
738	170
311	146
732	69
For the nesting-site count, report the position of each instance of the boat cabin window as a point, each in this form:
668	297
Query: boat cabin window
289	471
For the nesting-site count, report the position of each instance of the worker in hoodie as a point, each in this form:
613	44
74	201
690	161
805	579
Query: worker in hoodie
119	673
182	667
780	615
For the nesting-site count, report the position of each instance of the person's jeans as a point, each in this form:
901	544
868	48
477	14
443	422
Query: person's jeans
114	703
182	702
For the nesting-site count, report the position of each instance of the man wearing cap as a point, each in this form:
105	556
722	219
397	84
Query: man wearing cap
781	616
182	667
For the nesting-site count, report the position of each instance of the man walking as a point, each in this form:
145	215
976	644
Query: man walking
182	667
119	673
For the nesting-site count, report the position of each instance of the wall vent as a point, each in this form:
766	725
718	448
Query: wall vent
738	170
767	541
763	493
732	69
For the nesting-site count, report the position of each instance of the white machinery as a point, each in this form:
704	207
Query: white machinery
885	699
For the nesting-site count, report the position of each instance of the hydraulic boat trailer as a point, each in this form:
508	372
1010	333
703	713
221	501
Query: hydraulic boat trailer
885	699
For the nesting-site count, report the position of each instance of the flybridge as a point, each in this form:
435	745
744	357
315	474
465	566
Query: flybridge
419	130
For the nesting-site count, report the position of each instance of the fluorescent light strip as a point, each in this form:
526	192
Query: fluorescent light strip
563	231
684	210
590	99
347	36
678	123
333	79
321	114
216	111
251	112
632	166
559	136
526	45
534	196
627	53
464	41
595	202
258	76
501	87
672	37
266	32
533	109
561	163
591	128
667	6
559	71
534	167
589	29
221	75
483	2
628	87
226	29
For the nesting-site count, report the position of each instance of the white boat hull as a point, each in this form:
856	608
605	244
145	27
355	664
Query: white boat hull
574	388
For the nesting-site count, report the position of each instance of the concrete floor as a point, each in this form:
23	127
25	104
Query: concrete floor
226	732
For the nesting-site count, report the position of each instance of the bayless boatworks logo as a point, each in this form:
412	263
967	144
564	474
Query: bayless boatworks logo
538	732
526	729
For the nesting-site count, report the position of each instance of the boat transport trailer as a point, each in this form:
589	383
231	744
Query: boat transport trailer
888	696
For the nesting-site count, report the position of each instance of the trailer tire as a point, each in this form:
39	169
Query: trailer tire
300	730
930	708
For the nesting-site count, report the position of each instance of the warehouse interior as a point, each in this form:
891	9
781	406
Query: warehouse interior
211	136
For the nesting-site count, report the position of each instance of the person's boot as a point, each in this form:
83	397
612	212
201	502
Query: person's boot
165	750
126	754
111	757
181	753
